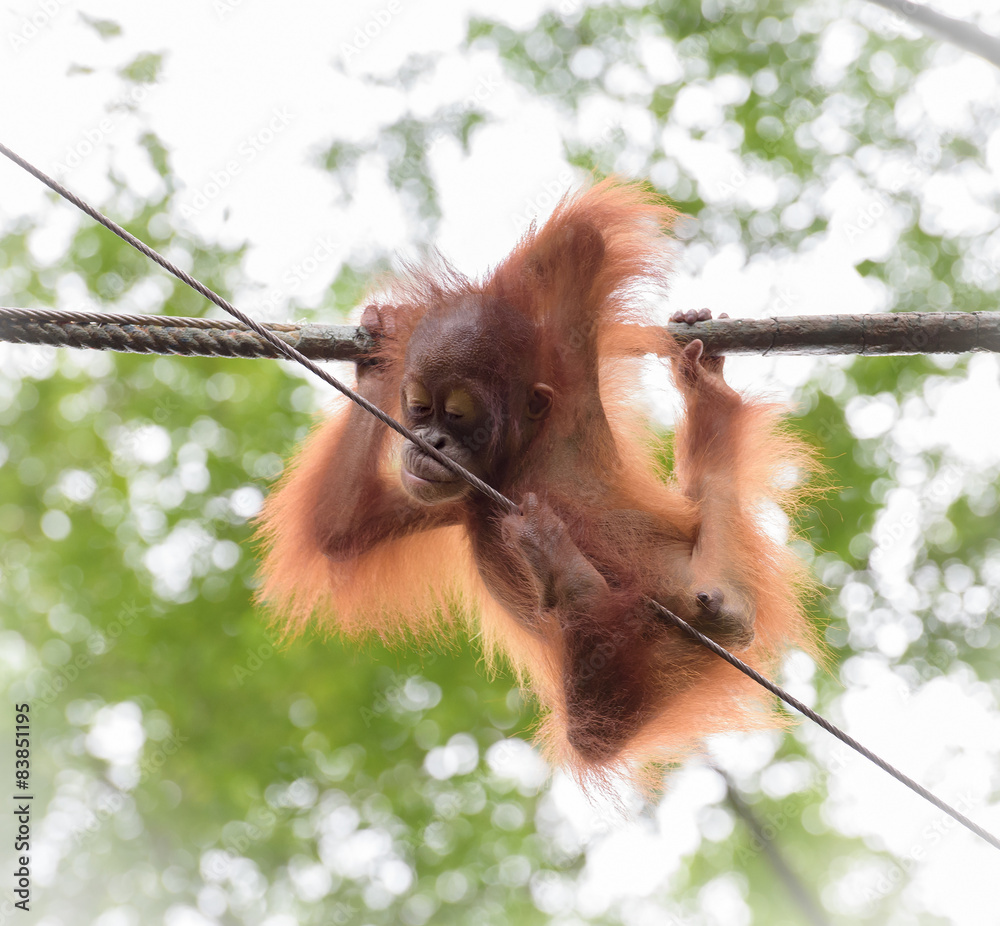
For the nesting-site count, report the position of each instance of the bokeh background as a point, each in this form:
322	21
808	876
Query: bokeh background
189	769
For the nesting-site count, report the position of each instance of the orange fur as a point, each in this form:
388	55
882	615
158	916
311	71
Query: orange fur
593	464
411	585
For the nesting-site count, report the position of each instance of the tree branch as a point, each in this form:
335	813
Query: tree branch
764	842
956	31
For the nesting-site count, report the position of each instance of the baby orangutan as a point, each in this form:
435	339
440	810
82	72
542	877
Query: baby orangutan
528	379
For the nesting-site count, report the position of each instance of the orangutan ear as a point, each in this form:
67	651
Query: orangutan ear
540	401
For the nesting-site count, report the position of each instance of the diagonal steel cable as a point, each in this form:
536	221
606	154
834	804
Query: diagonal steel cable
819	719
290	352
488	490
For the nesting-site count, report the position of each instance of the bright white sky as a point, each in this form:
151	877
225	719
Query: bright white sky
236	70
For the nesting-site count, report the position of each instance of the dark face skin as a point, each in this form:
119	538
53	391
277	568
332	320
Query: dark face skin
445	401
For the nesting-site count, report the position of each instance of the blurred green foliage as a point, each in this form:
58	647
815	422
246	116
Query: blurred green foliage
313	776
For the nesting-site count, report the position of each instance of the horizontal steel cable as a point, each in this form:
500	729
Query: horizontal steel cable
286	349
138	334
290	352
882	334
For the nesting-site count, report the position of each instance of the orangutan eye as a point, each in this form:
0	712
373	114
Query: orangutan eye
417	399
459	406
